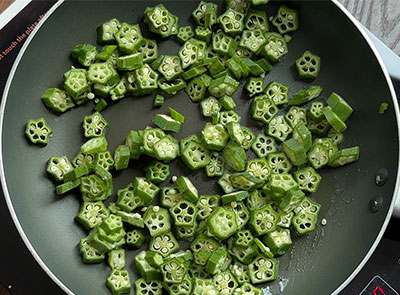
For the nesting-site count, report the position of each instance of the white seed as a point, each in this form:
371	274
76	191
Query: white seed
90	95
144	209
324	221
156	208
174	178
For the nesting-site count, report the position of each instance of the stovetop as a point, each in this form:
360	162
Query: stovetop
19	272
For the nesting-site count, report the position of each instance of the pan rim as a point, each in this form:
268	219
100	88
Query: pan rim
358	25
59	282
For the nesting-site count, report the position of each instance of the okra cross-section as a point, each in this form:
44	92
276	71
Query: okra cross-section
232	21
38	132
263	269
58	167
206	205
263	109
264	220
146	79
92	214
275	47
279	184
308	179
170	67
145	189
286	20
226	282
157	220
147	288
196	156
173	271
214	136
263	145
119	282
94	125
164	244
184	213
129	38
253	40
308	65
216	165
222	223
57	100
256	19
259	168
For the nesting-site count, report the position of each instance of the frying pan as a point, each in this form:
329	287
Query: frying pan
320	263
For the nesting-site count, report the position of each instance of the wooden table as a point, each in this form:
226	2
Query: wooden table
381	17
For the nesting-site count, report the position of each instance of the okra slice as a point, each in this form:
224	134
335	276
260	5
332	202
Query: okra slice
235	132
244	255
235	156
204	287
101	73
183	143
304	223
263	269
214	136
170	67
264	220
89	254
225	183
57	167
225	282
195	156
263	145
248	138
296	115
67	186
57	100
319	128
279	128
216	261
146	79
318	156
135	239
256	19
205	14
184	34
206	205
328	143
170	196
259	168
228	116
279	184
278	241
256	200
92	214
158	100
285	219
145	189
157	172
173	271
263	109
336	137
305	95
232	21
106	32
253	40
308	179
94	125
121	157
186	232
223	44
187	189
249	289
203	34
334	120
119	282
148	272
209	106
93	188
308	65
339	106
316	112
134	219
275	47
116	259
184	213
157	220
286	20
76	80
241	6
167	123
303	136
85	54
183	288
277	92
244	181
295	152
130	62
241	211
149	49
128	200
234	196
344	157
241	273
147	288
188	54
150	137
254	86
129	38
164	244
225	85
222	223
196	90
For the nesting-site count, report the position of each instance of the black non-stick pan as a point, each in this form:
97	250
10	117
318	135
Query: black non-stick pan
320	263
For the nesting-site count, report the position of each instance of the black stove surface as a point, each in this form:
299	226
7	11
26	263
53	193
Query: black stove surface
20	274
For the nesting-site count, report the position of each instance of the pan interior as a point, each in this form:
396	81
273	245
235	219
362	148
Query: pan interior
318	263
